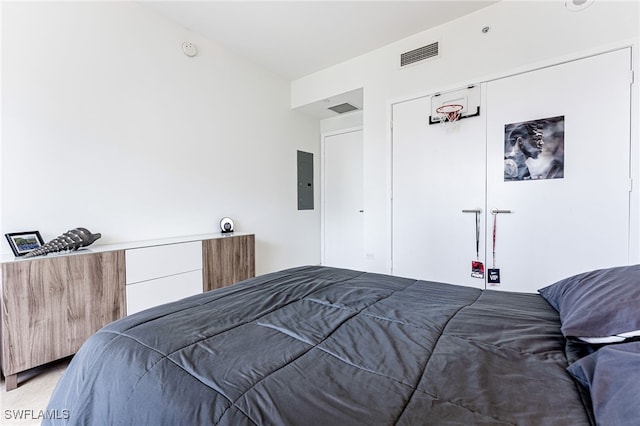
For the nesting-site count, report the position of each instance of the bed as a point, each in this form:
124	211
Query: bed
323	346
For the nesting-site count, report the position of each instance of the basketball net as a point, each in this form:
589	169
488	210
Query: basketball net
449	113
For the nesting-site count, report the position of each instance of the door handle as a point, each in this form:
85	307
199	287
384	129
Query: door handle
498	211
472	211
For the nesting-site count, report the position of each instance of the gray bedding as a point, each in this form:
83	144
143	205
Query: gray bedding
324	346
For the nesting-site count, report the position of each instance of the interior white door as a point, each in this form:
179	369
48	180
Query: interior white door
562	226
437	173
343	223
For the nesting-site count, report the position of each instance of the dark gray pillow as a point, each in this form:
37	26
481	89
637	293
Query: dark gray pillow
611	375
597	304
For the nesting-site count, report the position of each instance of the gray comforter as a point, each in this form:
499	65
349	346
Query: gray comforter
324	346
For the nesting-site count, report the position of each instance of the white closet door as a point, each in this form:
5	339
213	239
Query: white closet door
343	221
559	227
437	172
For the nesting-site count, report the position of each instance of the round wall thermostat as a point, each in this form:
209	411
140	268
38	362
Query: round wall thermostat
226	225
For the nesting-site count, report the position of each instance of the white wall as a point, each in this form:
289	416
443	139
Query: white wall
106	124
340	122
522	34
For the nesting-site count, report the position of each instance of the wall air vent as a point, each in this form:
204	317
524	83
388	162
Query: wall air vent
429	51
342	108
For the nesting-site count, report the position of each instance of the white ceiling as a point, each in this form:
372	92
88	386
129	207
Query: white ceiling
297	38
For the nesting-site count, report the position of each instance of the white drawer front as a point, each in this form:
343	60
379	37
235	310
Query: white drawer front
161	261
151	293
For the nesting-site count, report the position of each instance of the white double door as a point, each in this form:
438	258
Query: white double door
556	227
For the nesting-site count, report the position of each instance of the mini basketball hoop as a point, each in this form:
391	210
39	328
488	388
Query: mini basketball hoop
449	113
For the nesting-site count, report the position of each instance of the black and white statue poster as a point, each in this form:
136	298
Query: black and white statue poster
534	149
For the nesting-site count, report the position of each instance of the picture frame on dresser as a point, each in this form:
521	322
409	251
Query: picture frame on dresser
22	243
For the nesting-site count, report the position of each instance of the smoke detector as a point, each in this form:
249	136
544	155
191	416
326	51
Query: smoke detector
189	49
577	5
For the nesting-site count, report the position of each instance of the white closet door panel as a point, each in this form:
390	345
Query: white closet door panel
437	172
151	293
343	201
560	227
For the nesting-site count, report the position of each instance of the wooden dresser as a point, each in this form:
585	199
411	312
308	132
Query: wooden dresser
52	304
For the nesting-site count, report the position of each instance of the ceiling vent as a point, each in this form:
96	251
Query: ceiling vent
430	51
342	108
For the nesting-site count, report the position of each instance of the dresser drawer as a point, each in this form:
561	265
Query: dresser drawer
149	263
147	294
